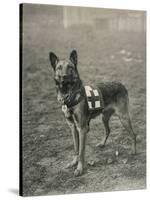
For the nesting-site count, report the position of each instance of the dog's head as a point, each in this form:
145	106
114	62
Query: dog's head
66	73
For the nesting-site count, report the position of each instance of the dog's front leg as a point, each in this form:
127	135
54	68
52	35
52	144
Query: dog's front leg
82	140
75	136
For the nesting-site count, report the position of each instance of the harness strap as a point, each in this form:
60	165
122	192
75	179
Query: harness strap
94	98
101	99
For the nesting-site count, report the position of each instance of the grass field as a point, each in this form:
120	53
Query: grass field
47	141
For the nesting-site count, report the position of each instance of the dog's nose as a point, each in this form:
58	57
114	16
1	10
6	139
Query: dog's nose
64	77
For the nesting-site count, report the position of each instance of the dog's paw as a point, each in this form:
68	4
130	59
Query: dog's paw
99	145
73	163
69	165
79	169
77	172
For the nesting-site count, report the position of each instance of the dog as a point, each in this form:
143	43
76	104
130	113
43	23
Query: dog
72	96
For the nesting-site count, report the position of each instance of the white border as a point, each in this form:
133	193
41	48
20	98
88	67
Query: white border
9	99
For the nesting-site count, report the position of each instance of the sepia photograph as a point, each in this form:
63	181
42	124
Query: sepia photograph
83	99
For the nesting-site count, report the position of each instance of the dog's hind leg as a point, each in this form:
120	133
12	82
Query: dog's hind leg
126	122
105	118
75	136
123	113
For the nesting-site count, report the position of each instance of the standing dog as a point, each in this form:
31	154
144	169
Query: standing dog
72	96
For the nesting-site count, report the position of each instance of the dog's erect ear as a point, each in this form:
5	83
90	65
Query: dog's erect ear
53	59
74	57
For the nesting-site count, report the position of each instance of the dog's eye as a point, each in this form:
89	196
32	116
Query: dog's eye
70	69
56	82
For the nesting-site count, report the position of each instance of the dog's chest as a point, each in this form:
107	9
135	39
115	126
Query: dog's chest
94	98
66	111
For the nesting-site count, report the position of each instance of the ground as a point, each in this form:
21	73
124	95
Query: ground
47	141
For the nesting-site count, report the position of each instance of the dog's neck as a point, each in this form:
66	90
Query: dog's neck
75	94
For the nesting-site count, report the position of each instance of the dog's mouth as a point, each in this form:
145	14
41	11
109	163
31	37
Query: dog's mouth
64	85
67	89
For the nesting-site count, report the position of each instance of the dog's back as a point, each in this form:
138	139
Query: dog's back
111	91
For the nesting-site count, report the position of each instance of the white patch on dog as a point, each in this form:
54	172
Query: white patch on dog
93	98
